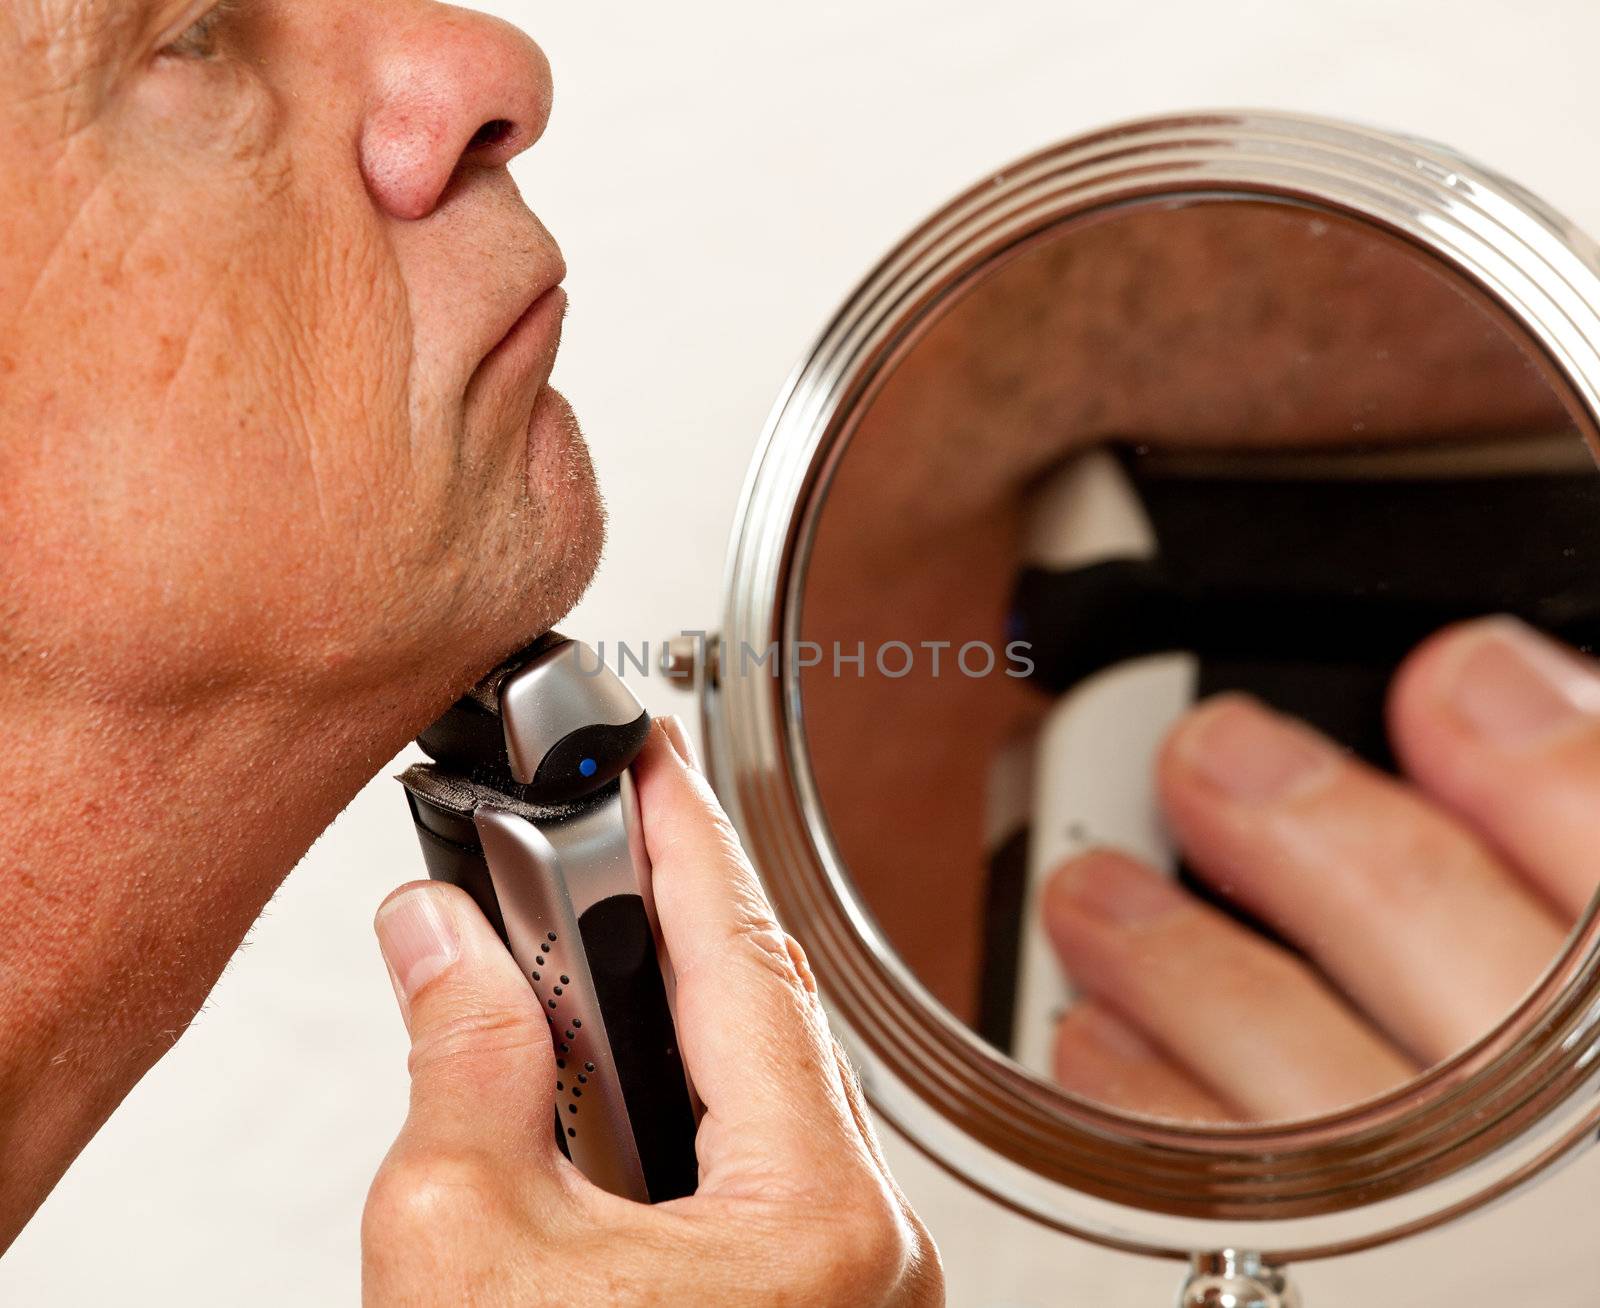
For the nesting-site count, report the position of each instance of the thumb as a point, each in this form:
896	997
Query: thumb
482	1070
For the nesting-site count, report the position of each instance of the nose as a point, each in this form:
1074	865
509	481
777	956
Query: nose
450	89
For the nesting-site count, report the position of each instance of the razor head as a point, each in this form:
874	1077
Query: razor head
549	727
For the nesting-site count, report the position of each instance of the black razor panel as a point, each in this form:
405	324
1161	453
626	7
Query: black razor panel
455	863
581	762
621	949
468	739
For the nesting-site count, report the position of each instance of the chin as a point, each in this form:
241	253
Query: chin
522	568
570	521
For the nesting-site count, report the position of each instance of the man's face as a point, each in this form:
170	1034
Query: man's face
275	330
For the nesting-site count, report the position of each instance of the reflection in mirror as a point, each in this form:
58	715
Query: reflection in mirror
1209	596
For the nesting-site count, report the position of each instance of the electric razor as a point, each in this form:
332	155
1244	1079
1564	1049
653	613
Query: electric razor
529	807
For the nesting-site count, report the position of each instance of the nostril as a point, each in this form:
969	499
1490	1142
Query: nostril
492	133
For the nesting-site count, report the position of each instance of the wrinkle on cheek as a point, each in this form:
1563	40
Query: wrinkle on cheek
283	361
366	356
79	187
353	353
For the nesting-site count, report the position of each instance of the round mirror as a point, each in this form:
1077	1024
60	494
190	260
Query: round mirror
1132	566
1158	684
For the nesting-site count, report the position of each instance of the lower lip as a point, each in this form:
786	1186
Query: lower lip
530	346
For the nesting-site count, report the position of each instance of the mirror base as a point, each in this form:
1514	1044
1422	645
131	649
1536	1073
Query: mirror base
1235	1279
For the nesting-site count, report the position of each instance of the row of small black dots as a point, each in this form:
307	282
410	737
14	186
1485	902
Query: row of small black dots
572	1131
576	1022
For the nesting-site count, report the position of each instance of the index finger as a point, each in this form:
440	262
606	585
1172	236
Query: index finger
1502	723
751	1029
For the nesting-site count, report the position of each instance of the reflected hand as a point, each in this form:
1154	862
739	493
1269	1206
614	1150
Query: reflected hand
1422	908
475	1204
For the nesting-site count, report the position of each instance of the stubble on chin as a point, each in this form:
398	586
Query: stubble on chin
568	518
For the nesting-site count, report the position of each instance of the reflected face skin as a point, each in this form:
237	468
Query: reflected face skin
275	336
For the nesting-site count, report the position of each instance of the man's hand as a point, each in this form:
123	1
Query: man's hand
1421	907
476	1205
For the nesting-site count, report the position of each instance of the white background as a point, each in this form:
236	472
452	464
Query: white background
720	173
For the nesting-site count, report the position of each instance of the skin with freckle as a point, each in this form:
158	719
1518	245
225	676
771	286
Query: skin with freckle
266	504
281	475
241	396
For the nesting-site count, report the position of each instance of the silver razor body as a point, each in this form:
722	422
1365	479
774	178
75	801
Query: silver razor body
568	885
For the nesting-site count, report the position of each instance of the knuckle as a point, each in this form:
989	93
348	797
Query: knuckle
869	1243
765	944
476	1031
807	978
884	1236
427	1194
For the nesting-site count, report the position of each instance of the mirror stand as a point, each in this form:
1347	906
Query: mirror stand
1235	1279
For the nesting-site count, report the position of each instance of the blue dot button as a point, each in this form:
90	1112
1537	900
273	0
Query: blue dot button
588	767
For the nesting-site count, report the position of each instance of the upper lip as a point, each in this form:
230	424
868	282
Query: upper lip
536	292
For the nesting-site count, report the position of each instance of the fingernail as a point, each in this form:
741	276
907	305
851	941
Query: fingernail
673	726
1116	891
418	940
1252	755
1513	686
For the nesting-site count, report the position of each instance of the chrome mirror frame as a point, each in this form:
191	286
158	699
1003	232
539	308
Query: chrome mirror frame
1467	1132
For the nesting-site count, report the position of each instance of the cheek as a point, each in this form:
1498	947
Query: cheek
225	431
296	355
222	432
295	391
